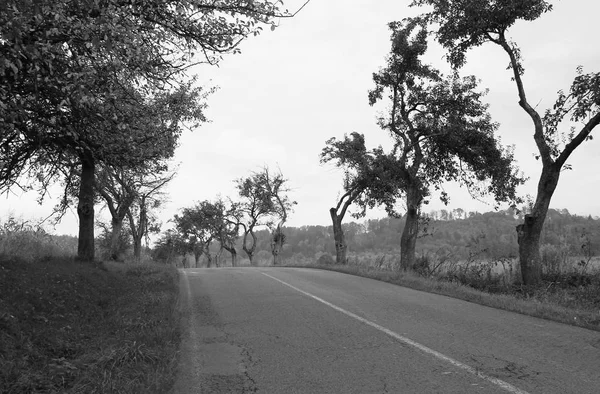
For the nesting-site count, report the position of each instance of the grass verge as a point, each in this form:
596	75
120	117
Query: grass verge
535	302
72	328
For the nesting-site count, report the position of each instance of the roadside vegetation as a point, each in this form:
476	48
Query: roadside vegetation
73	327
566	297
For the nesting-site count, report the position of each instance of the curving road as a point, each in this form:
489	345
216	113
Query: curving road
288	330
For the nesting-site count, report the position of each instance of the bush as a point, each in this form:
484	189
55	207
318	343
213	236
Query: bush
326	259
29	242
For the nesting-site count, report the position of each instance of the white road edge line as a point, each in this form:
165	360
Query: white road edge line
500	383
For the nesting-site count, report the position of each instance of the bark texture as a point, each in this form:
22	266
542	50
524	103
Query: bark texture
408	240
529	233
339	238
277	241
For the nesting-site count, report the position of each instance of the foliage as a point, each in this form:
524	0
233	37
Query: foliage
441	128
113	246
263	202
462	25
30	242
368	174
203	223
169	245
104	82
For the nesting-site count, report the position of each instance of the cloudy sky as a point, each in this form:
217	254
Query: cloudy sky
293	88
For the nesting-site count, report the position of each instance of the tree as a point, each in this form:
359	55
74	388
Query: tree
148	188
257	207
282	205
205	222
69	68
464	24
441	131
169	245
229	232
118	191
368	180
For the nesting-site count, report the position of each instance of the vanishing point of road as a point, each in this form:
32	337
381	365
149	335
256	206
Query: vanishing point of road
294	330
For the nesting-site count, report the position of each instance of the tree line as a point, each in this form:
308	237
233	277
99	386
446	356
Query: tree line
490	235
262	201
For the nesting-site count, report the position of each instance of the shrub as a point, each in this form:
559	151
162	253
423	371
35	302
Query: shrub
29	242
326	259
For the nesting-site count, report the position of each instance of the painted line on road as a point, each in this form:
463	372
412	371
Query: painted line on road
500	383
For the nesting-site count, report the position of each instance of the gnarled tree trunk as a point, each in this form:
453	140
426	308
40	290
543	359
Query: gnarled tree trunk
138	230
115	238
85	209
529	233
233	252
339	238
277	241
408	241
249	250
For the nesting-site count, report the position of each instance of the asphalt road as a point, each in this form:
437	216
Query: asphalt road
287	330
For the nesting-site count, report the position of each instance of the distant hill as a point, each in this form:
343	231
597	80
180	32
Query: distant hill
492	234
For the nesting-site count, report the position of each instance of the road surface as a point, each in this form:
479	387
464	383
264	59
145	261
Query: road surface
288	330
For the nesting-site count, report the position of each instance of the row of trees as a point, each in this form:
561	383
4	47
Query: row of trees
96	94
262	201
442	131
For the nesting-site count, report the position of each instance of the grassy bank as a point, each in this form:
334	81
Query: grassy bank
74	328
578	305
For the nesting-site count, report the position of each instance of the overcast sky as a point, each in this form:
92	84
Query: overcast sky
293	88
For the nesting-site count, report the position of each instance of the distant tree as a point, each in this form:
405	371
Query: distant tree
228	235
262	197
149	195
199	226
368	181
441	129
169	245
278	188
463	25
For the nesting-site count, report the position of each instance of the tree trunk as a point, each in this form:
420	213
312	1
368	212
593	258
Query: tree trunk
197	255
277	241
233	252
233	257
528	233
115	238
341	247
408	241
85	209
249	250
137	248
138	231
218	257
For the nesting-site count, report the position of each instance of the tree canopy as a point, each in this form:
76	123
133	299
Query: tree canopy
441	130
464	24
87	82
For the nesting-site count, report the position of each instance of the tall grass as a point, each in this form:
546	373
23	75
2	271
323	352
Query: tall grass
68	327
571	295
30	242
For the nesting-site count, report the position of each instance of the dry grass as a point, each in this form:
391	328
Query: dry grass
579	306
